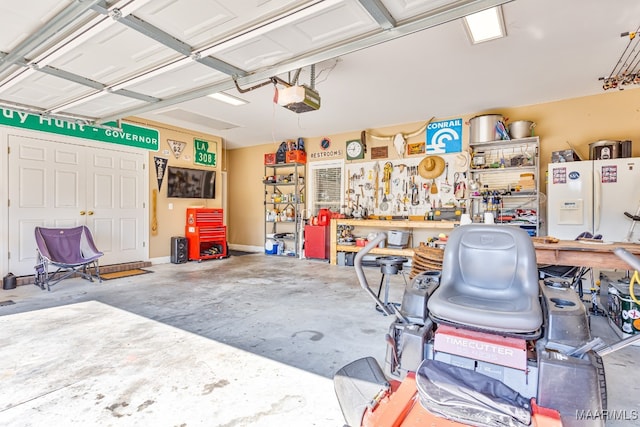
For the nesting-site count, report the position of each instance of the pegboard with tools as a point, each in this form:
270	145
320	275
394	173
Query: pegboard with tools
406	187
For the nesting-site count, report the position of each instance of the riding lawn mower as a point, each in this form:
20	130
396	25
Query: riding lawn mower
482	342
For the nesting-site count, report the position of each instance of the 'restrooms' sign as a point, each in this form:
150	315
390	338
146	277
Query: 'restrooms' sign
128	134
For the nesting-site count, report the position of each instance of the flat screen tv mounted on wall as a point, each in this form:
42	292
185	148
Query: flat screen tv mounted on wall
191	183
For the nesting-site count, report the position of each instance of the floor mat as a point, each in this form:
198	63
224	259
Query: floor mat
126	273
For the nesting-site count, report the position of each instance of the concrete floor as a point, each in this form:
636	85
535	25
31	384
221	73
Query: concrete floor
246	341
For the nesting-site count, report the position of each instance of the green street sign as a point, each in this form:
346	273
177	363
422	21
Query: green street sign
128	134
202	154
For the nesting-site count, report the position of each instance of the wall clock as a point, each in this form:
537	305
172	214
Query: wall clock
355	149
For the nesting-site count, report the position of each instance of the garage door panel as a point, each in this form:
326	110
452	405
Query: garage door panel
113	54
44	91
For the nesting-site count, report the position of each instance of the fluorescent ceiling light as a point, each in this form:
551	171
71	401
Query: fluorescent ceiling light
485	25
221	96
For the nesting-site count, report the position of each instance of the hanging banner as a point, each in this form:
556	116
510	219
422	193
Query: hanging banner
202	155
444	137
161	167
128	134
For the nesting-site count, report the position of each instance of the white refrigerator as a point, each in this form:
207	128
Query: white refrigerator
593	196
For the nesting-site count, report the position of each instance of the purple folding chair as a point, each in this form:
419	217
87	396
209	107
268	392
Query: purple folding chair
72	250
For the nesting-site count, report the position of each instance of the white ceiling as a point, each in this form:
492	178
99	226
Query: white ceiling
160	58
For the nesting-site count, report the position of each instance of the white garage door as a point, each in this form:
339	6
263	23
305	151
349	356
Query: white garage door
63	184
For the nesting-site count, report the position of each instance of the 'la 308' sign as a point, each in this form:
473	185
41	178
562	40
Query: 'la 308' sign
205	152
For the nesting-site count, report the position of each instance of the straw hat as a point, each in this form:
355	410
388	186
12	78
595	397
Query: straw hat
461	162
431	167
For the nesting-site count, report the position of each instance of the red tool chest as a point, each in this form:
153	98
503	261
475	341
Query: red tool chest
206	234
316	241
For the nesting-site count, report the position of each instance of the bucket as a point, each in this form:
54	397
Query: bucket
608	149
9	282
521	129
483	128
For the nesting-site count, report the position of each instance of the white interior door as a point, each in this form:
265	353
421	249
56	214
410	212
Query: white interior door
61	184
115	199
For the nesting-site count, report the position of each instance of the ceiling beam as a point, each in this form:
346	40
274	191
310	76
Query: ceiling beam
81	80
169	41
453	11
65	75
59	22
376	9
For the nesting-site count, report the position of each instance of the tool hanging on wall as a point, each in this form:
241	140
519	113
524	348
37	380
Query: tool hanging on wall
415	200
388	169
376	169
445	187
460	186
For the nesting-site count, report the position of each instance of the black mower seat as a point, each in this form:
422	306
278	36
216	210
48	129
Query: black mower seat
489	280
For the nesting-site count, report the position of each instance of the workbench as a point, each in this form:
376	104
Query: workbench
584	254
438	226
564	252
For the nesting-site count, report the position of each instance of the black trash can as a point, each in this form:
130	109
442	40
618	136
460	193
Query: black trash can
9	282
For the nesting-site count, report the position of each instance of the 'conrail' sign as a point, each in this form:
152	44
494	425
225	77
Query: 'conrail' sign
129	135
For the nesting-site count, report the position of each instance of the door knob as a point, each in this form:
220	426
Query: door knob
90	213
82	212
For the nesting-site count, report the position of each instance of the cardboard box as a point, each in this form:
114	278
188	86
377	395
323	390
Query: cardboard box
564	156
270	159
296	156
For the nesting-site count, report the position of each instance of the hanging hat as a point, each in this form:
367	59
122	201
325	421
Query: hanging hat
461	162
431	167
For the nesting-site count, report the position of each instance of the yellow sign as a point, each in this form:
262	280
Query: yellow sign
417	148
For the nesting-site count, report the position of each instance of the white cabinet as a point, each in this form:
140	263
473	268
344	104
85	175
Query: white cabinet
504	182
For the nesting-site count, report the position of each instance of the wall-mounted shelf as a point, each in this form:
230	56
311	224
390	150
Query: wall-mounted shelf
509	178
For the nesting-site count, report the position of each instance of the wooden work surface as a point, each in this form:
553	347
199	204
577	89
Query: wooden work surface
564	252
380	223
584	254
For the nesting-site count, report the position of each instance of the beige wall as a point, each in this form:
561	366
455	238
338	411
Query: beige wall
612	115
171	222
246	195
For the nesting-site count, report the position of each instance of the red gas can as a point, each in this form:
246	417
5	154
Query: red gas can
324	216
